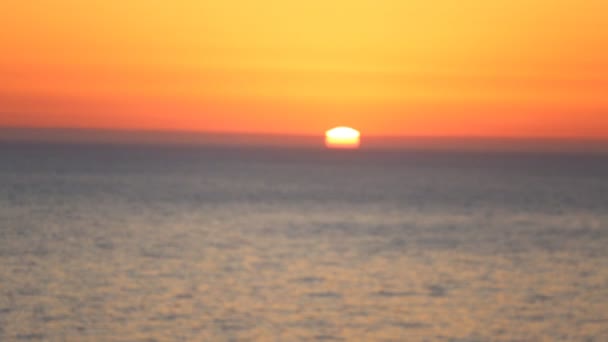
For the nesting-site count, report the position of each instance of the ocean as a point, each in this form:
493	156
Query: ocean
178	243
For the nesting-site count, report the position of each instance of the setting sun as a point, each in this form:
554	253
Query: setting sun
342	137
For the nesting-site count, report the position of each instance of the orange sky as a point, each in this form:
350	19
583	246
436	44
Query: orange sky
386	67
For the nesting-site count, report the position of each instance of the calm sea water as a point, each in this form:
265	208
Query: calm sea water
210	244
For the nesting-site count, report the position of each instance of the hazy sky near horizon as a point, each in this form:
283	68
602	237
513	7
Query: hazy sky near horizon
386	67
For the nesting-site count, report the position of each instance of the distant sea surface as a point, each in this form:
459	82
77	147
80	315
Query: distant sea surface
127	243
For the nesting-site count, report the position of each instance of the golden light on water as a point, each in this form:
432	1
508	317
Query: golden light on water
343	137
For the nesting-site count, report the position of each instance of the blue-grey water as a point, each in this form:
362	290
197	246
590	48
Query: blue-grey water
119	243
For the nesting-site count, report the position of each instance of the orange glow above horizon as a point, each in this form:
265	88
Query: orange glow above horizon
443	68
342	138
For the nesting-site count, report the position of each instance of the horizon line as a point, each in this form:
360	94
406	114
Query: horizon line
109	136
302	135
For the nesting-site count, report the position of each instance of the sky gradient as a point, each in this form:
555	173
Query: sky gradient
406	68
